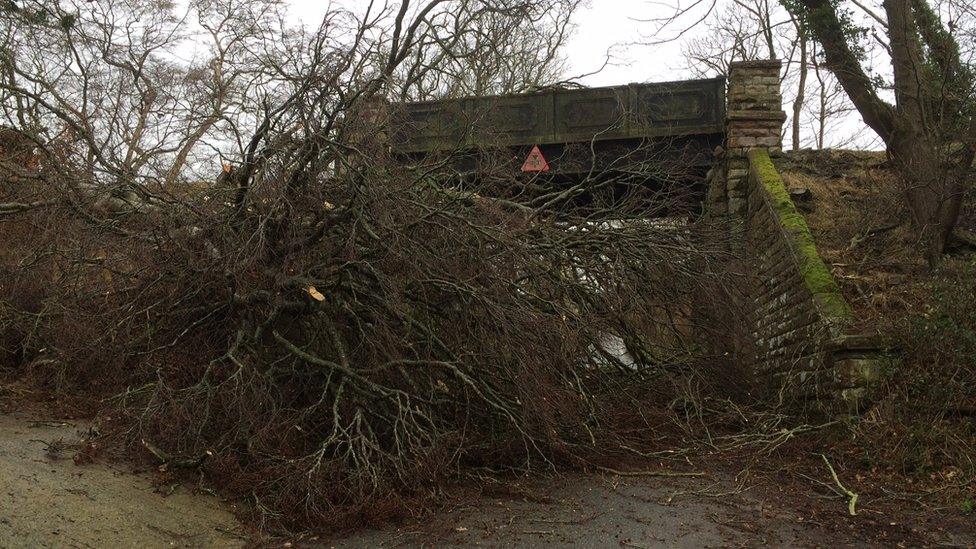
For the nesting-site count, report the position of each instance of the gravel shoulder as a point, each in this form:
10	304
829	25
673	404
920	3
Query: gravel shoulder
46	500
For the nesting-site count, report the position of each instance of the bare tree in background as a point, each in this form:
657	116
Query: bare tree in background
929	130
803	62
495	48
732	33
830	113
762	30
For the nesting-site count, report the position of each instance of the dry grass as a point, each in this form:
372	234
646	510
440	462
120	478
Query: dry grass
922	429
860	225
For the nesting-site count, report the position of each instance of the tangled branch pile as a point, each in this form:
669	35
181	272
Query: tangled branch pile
336	326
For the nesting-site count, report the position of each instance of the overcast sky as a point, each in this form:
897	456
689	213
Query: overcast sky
602	25
622	28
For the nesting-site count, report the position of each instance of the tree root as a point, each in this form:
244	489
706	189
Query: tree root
964	237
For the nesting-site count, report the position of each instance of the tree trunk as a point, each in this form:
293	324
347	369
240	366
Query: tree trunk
934	178
822	96
801	86
934	188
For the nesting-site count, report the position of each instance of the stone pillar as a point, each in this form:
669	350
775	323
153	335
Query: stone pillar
754	119
366	131
369	122
755	107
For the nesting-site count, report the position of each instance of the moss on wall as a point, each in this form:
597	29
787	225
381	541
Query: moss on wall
816	276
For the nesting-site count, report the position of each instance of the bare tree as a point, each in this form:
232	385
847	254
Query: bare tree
803	60
732	33
929	129
760	30
489	48
831	113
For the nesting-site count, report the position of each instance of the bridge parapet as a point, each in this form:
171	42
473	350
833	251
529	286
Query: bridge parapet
634	111
807	347
803	347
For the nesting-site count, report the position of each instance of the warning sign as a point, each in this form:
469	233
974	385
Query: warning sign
535	163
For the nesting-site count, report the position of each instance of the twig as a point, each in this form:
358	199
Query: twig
172	461
652	473
852	496
9	208
704	492
582	520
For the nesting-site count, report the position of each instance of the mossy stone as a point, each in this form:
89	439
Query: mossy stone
816	276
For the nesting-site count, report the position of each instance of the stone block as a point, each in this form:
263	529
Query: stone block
857	372
853	400
752	89
738	206
776	115
870	342
718	208
764	64
716	192
739	142
756	132
744	72
751	100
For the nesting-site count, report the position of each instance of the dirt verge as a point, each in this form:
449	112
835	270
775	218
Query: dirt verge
46	500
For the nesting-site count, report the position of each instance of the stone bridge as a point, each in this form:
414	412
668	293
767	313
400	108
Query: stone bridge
681	118
728	133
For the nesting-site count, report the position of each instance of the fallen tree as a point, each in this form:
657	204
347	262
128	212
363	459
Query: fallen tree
328	328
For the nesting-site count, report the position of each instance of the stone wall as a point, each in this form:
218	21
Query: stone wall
801	322
802	348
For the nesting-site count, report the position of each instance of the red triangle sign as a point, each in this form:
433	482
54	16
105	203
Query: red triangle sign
535	162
